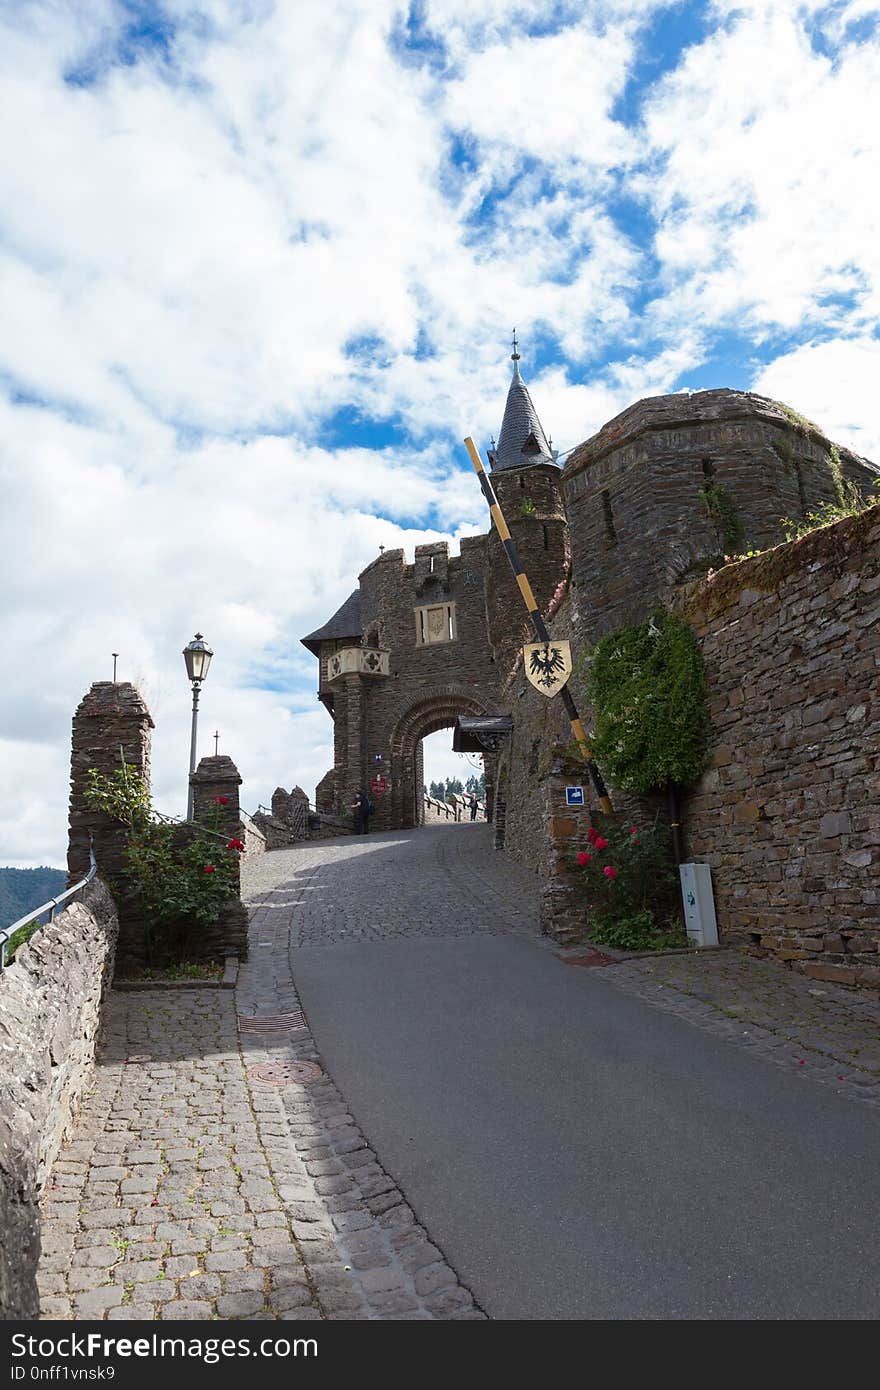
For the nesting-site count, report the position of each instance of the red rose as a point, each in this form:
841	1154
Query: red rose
609	872
633	830
221	800
592	835
600	843
584	858
235	844
208	869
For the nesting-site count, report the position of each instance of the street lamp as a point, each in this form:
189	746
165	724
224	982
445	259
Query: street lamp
197	655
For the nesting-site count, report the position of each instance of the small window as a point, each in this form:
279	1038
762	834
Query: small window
435	623
546	538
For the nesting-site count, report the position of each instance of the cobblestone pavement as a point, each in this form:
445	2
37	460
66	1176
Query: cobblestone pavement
823	1032
462	886
195	1188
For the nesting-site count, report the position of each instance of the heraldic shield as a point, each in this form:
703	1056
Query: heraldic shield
547	665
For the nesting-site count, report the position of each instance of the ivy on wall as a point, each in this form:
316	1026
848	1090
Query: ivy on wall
722	513
648	690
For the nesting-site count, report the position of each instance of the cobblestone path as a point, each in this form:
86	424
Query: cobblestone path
195	1186
821	1032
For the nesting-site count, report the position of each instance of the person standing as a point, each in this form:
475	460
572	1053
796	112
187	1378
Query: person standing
363	809
473	805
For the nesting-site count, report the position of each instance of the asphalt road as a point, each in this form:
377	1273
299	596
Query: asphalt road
575	1152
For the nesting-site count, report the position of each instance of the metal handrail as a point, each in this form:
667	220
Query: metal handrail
178	820
50	906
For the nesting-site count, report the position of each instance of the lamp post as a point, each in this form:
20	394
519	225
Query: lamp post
197	655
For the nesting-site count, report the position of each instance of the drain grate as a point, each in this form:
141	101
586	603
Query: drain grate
285	1073
272	1023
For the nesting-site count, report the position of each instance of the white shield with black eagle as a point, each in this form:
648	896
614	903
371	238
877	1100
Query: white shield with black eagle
547	665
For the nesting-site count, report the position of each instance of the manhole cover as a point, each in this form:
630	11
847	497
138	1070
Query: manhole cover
285	1073
272	1023
590	958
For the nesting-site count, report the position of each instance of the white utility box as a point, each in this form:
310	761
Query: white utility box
699	904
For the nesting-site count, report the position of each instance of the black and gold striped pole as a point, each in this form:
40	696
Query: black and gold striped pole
537	621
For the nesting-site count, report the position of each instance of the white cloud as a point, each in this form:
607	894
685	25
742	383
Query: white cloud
207	253
834	384
765	189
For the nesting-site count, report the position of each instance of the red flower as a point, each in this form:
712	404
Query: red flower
584	858
609	872
235	844
600	843
208	869
633	830
221	800
592	835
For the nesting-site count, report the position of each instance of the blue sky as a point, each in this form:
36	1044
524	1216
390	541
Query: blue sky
260	264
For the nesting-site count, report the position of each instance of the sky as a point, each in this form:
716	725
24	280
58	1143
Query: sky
259	267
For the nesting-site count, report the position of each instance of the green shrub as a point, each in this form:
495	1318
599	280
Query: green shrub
721	510
630	887
20	938
648	690
180	878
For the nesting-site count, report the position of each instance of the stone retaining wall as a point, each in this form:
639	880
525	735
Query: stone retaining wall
50	1015
253	837
788	813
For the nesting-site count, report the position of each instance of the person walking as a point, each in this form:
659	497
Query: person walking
473	805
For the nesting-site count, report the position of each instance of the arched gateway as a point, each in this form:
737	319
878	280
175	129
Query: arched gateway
439	710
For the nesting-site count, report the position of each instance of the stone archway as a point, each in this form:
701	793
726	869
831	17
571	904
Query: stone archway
438	709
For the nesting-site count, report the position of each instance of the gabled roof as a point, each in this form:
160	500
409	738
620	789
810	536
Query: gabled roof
346	622
522	441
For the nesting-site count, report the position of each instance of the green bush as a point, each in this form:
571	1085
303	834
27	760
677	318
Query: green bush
648	690
180	879
19	938
630	887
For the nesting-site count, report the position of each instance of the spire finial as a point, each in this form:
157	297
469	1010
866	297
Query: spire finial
514	356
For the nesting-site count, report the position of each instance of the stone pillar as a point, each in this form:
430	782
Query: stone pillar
354	769
213	780
563	905
112	722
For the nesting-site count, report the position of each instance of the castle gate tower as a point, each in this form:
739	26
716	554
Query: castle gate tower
416	647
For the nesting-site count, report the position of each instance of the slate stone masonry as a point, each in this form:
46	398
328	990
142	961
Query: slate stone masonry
51	998
788	814
215	784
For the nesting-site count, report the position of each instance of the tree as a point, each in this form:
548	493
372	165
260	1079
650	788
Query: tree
453	787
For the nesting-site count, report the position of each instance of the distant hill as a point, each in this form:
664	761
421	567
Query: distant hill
23	889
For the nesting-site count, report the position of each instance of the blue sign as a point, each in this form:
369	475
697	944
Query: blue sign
574	796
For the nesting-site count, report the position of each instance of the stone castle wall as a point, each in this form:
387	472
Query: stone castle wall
50	1013
788	814
635	495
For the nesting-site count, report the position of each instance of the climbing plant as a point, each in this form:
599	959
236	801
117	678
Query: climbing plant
648	690
180	880
849	501
722	512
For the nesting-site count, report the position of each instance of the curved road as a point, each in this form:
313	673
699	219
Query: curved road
573	1150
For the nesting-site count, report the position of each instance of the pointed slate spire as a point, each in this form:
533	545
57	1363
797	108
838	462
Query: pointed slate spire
521	441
